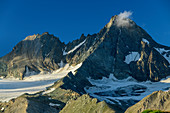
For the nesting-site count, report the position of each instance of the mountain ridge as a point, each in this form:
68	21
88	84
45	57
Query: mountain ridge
119	53
45	50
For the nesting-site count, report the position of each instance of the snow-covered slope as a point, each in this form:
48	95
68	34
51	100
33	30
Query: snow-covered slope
114	91
12	88
164	53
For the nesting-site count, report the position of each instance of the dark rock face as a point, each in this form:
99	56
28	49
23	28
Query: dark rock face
102	53
158	100
110	52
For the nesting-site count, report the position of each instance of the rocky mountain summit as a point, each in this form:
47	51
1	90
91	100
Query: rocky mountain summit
32	55
122	55
122	50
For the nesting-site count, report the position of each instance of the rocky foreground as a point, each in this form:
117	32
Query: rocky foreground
158	100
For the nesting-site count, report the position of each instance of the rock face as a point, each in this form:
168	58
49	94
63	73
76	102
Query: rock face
158	100
32	55
122	50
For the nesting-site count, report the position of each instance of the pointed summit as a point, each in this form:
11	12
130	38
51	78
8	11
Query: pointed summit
108	25
121	20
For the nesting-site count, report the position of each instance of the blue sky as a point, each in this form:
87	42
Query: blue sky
68	19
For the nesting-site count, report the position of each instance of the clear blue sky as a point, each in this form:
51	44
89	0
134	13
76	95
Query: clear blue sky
68	19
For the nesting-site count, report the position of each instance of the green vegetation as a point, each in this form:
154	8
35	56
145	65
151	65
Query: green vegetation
153	111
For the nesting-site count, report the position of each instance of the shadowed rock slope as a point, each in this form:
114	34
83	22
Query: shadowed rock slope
25	104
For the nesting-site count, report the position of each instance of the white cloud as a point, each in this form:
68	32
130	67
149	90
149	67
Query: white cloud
122	19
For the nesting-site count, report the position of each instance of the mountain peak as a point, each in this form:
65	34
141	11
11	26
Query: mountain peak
121	20
108	25
33	37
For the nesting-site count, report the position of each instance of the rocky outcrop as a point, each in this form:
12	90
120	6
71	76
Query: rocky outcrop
85	104
158	100
32	55
26	105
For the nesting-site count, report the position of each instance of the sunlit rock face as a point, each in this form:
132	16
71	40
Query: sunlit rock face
158	100
34	54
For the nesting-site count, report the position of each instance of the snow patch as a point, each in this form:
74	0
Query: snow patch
52	104
133	56
166	80
61	64
116	101
48	91
64	51
164	53
29	73
76	47
103	80
46	55
50	98
146	41
2	108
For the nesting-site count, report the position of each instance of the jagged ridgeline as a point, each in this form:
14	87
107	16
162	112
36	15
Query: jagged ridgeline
121	50
120	55
35	54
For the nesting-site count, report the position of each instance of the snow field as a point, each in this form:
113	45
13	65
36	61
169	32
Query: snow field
12	88
111	85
